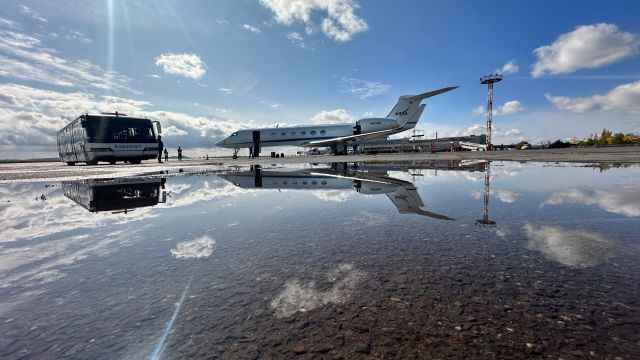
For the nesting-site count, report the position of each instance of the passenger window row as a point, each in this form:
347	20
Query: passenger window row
302	133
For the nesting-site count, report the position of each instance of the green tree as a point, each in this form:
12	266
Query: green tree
617	139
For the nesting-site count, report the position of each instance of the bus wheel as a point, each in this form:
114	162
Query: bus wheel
70	163
92	162
134	162
112	162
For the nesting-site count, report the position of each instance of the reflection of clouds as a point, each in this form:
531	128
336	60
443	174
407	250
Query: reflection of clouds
507	196
304	297
338	196
624	200
577	248
43	262
206	191
368	218
502	233
195	249
25	218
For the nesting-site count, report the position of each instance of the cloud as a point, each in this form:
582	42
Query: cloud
30	116
622	200
299	297
575	248
195	249
510	107
340	24
187	65
589	46
511	67
363	88
338	196
297	39
26	58
8	23
77	35
274	105
338	116
624	97
226	90
253	29
507	196
33	14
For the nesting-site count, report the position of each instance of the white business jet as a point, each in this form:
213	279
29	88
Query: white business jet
403	194
404	116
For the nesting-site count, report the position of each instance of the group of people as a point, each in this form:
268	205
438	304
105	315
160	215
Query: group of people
163	151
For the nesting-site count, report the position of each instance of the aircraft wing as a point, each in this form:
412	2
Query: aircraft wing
372	135
359	137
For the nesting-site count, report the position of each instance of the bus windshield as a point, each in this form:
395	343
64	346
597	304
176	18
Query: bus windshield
109	129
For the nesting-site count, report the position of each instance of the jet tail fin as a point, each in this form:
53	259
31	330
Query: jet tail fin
408	106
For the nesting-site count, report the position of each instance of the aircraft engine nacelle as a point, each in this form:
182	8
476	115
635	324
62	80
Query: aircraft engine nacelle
376	124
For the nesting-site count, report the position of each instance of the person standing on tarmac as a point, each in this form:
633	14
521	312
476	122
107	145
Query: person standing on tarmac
166	154
179	153
160	148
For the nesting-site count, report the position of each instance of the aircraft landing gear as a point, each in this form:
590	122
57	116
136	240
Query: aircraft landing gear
235	153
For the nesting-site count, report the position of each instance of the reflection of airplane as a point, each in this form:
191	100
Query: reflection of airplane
115	194
403	116
403	194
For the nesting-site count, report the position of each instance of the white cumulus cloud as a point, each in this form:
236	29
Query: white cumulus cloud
510	107
187	65
625	97
589	46
340	23
31	116
338	116
511	67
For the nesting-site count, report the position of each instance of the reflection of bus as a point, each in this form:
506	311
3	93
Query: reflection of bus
115	194
108	137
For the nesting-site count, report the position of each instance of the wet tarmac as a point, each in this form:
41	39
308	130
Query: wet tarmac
434	259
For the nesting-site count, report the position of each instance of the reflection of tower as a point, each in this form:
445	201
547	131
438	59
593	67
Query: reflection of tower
489	80
485	212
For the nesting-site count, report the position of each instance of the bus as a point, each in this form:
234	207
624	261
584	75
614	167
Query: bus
116	195
108	137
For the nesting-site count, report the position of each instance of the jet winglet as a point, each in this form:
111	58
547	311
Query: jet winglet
429	94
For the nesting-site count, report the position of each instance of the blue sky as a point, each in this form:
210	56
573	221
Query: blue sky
206	68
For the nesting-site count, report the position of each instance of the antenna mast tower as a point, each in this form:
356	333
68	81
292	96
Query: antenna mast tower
489	80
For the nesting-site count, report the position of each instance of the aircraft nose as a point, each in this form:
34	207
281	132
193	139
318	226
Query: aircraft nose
221	142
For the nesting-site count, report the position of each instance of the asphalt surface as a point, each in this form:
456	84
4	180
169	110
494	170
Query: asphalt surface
11	172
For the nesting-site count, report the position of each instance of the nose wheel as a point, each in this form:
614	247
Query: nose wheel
235	153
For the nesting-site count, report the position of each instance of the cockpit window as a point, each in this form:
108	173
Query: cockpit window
234	134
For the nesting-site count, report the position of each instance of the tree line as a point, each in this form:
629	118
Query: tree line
606	138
